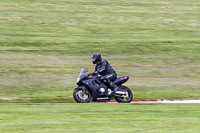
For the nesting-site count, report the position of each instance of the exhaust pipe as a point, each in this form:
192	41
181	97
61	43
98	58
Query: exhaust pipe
120	92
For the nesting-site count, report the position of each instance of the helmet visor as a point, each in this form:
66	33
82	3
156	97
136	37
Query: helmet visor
93	59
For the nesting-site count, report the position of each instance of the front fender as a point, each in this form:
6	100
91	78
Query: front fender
82	87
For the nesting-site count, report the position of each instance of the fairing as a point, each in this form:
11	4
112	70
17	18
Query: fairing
121	80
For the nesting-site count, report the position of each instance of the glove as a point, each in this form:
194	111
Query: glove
93	73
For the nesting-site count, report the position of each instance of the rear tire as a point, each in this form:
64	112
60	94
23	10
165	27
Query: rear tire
81	97
125	99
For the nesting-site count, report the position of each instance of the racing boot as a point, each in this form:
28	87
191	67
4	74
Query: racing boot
114	87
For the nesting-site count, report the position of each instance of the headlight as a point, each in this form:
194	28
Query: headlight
78	80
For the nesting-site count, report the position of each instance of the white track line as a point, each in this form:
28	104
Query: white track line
180	101
165	101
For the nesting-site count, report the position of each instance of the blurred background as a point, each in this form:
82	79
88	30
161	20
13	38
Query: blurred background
45	43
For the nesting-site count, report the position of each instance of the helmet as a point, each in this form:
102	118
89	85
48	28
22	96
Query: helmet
96	57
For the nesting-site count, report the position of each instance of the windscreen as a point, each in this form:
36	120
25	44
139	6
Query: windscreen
82	73
84	70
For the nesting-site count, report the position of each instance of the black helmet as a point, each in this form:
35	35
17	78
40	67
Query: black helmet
96	57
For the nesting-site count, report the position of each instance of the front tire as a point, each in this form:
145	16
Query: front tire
124	98
81	97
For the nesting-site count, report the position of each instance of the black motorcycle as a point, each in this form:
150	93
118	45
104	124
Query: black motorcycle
91	88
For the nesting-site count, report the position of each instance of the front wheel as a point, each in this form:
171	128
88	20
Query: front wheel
127	98
80	96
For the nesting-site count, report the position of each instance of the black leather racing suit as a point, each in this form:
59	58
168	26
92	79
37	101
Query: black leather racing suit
108	75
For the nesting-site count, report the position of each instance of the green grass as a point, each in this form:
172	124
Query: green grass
100	118
45	43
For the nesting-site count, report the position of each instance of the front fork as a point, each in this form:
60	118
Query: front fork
84	88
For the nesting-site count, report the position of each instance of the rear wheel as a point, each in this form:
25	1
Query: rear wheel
81	97
125	98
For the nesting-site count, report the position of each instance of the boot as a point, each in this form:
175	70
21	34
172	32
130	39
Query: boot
114	87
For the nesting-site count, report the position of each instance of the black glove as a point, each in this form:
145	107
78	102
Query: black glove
93	73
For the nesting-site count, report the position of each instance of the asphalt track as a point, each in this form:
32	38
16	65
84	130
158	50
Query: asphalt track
165	101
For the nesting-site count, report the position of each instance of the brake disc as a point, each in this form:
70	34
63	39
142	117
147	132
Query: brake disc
82	95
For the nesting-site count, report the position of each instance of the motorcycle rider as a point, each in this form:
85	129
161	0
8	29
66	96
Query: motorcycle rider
104	69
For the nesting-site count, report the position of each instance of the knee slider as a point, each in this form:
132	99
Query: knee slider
104	79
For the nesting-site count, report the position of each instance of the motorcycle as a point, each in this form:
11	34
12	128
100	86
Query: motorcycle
91	88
